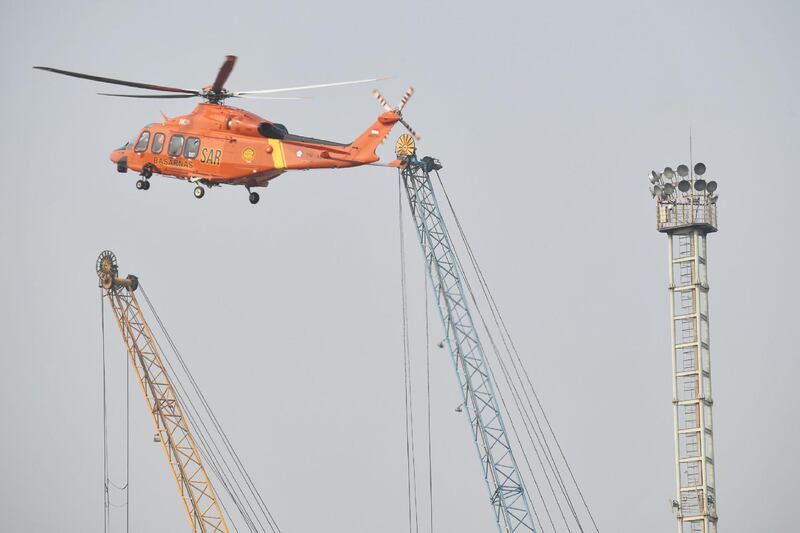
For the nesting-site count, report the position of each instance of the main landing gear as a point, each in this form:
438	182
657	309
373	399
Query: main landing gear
200	190
253	197
142	185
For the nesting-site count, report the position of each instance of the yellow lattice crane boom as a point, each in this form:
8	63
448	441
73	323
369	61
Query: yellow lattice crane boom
199	499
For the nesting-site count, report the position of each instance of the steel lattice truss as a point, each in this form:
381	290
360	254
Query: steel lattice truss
695	501
199	498
502	476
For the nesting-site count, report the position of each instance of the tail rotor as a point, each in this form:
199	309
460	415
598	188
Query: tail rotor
403	101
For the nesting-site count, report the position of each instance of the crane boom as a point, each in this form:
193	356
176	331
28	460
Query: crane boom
506	490
199	499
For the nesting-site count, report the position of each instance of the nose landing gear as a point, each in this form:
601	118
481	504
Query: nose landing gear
147	172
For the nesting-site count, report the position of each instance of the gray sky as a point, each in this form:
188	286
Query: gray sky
547	119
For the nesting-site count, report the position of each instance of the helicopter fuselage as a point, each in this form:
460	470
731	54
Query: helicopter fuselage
218	144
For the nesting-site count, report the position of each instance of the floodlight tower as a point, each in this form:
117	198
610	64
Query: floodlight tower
687	212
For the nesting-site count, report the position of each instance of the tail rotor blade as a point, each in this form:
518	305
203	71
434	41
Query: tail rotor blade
410	129
406	96
381	100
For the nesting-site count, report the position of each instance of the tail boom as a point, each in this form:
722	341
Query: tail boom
362	150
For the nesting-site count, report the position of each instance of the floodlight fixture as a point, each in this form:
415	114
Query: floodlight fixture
669	188
700	169
657	190
683	171
669	173
654	177
711	186
684	186
700	185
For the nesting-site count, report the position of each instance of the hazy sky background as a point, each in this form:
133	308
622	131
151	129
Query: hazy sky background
547	119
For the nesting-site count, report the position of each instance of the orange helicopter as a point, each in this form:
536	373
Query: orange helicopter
218	144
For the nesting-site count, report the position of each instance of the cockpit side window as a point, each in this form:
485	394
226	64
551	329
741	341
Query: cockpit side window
158	143
141	144
192	147
175	145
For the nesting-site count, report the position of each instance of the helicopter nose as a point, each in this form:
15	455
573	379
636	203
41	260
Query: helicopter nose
119	157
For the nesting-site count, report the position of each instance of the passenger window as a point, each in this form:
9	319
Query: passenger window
192	147
158	143
175	145
141	144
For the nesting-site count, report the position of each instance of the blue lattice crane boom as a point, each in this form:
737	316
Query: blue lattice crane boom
507	493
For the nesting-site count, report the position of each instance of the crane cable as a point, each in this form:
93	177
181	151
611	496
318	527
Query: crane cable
107	482
127	447
411	467
516	397
513	354
105	416
430	473
511	421
216	460
428	400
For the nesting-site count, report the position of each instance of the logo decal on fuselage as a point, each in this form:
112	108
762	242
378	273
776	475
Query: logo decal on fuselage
172	162
248	154
210	156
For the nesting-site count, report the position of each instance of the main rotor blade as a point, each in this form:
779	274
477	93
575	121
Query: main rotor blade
119	82
150	95
304	87
259	97
224	72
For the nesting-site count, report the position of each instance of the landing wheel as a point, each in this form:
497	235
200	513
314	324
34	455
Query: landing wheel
145	185
141	184
199	192
254	198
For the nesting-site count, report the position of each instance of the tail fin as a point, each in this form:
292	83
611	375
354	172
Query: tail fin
362	150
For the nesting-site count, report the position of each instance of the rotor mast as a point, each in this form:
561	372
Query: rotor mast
199	499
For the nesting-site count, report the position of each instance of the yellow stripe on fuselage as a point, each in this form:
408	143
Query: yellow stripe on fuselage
277	153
